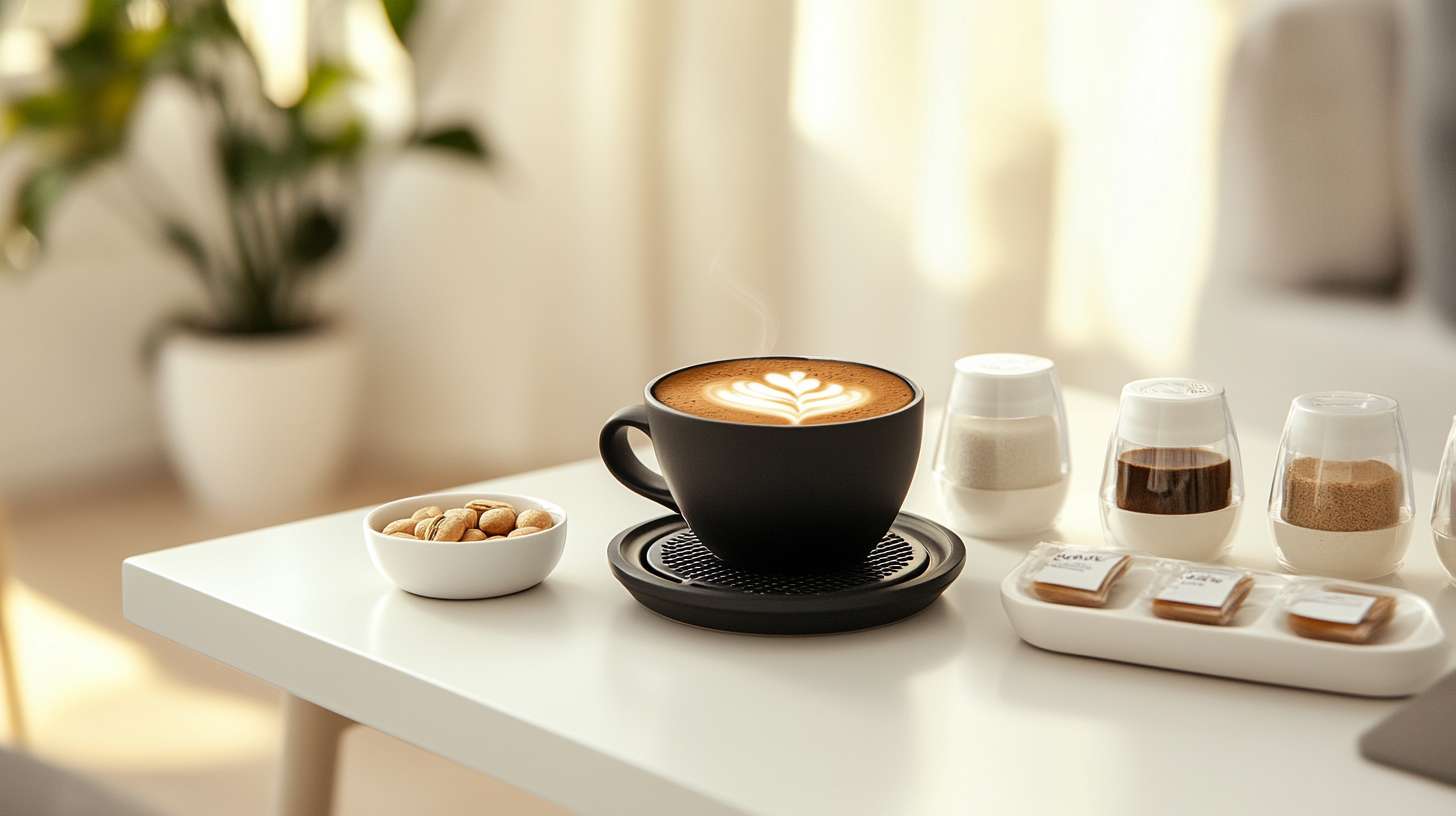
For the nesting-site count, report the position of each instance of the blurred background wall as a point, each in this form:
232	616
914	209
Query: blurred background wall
897	182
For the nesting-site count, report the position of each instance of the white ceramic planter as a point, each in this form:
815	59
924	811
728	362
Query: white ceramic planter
258	425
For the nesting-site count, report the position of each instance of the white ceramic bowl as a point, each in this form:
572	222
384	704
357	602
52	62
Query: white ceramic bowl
460	570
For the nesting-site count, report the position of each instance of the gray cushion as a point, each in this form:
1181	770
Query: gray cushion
1431	70
34	788
1310	183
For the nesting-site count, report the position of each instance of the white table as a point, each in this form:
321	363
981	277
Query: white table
575	692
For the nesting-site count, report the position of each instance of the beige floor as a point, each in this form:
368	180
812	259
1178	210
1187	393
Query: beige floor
177	730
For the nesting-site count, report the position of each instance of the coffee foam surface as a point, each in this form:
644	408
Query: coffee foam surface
784	391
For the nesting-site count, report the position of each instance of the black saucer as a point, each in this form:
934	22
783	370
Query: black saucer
662	563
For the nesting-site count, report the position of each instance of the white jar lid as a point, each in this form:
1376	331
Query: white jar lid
1344	425
1172	412
1005	385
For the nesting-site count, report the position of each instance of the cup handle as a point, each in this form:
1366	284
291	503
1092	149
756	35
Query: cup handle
624	464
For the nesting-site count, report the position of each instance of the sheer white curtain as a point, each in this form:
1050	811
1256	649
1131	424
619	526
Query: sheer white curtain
898	181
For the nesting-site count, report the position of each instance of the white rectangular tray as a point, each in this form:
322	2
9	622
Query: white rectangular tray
1406	657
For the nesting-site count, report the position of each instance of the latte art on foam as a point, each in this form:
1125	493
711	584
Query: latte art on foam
795	392
794	397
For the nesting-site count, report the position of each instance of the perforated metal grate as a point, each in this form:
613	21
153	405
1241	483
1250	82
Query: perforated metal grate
682	557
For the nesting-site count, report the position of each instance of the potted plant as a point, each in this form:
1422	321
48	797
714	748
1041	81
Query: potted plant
257	390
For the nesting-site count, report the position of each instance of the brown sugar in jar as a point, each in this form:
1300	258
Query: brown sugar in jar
1341	495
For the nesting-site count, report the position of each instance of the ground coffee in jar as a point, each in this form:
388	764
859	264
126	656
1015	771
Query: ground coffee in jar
1173	481
1171	485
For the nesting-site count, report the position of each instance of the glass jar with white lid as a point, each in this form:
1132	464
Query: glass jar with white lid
1173	482
1002	462
1443	525
1341	500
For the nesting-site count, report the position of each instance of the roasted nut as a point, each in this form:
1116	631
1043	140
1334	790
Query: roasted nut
498	520
400	526
466	513
478	520
448	528
539	519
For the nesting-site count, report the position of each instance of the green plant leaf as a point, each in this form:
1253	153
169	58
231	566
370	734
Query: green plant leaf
103	13
247	161
318	234
241	156
325	78
310	147
401	14
38	194
113	107
185	242
324	124
48	109
137	46
99	74
461	140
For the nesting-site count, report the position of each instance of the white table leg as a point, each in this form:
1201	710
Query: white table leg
9	674
310	754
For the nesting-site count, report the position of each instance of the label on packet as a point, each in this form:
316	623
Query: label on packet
1203	587
1079	569
1335	607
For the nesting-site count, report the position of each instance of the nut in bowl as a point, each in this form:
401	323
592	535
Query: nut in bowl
462	545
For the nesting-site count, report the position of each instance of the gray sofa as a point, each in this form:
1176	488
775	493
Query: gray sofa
29	787
1335	258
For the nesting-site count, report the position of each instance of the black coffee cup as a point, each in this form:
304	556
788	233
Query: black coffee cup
774	498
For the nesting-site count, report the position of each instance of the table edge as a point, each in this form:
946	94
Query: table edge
426	714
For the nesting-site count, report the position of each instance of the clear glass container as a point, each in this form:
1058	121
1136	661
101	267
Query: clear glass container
1441	526
1173	483
1002	462
1341	500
